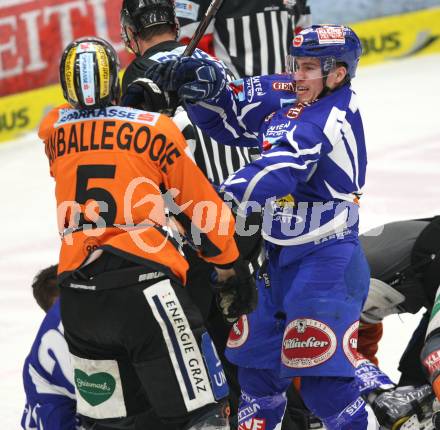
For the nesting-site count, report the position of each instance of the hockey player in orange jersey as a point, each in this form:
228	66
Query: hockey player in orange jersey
134	335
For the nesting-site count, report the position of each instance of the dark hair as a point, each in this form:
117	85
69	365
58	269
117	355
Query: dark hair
156	30
45	288
347	78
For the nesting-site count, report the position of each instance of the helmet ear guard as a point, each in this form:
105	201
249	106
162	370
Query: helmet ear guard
89	69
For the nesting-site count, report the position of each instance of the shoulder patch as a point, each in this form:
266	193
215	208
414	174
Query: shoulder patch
237	88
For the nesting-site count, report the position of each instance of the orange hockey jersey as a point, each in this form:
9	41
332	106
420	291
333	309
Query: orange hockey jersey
110	166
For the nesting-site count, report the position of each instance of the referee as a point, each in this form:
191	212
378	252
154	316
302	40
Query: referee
150	31
251	37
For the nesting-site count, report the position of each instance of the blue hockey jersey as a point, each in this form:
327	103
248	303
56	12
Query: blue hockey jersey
48	379
236	118
310	175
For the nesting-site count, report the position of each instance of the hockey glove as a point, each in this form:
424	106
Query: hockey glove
144	94
403	407
194	79
382	300
238	294
248	229
370	378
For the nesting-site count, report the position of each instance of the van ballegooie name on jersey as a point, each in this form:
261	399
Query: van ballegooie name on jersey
109	135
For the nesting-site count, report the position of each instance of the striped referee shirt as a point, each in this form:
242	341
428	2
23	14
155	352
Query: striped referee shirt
215	160
251	37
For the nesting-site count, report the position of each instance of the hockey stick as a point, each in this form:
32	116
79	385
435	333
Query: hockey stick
201	28
302	16
191	47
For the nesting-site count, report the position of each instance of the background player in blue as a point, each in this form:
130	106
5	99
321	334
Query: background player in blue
309	180
47	373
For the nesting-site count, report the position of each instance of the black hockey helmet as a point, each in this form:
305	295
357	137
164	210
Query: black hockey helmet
89	69
137	15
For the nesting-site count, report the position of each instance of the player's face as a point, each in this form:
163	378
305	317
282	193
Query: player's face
308	77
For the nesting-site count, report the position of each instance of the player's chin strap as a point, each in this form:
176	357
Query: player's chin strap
129	41
326	90
133	42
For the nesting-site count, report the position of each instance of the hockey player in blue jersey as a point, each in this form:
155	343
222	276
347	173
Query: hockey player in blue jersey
47	372
309	181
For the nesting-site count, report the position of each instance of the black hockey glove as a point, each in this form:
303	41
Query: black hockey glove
403	407
193	79
238	294
248	230
144	94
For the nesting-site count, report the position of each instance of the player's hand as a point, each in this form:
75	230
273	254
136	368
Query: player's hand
194	79
145	94
236	290
402	407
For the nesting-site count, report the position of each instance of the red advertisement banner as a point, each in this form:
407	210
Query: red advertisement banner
33	34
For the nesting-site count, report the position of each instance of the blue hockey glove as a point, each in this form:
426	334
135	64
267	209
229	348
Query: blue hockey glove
194	79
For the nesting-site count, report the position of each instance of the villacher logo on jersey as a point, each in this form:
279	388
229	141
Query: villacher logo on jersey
307	343
310	342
